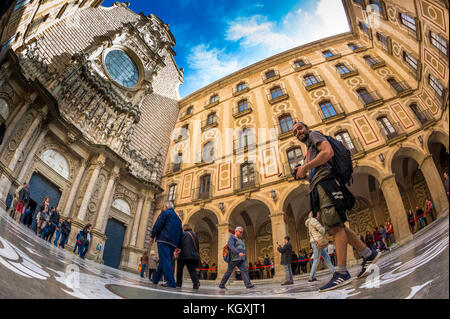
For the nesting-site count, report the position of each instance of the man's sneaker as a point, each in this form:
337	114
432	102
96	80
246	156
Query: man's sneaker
287	283
222	287
338	280
367	262
312	279
250	287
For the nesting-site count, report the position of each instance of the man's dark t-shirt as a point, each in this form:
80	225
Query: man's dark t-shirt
320	172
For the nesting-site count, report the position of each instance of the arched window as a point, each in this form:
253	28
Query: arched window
276	92
365	96
4	110
57	162
295	157
286	124
310	79
342	68
327	109
345	139
242	105
247	175
208	152
122	206
172	193
213	99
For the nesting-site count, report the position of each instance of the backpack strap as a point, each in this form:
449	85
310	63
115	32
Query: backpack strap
193	240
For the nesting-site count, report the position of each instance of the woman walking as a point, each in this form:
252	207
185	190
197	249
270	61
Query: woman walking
318	243
152	264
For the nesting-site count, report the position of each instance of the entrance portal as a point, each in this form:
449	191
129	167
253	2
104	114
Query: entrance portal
41	187
115	233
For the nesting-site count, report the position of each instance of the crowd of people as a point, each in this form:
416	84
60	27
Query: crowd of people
46	222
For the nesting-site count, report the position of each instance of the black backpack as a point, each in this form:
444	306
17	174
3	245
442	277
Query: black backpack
341	161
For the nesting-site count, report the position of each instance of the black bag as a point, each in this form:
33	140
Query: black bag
341	161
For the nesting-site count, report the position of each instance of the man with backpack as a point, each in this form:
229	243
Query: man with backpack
236	258
328	166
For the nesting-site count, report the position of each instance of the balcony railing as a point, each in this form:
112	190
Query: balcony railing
285	131
314	84
274	76
401	88
173	168
334	56
370	99
209	103
331	114
351	71
376	62
239	111
202	193
397	134
300	67
250	181
236	91
359	48
424	117
242	145
275	98
209	123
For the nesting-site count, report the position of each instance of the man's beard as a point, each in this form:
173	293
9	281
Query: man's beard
305	138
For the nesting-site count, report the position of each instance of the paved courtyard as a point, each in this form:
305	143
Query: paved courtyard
32	268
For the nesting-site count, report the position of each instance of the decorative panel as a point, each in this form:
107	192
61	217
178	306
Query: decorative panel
270	162
433	62
365	130
224	176
400	113
433	14
187	186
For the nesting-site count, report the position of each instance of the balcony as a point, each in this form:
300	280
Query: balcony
275	76
246	183
357	151
401	89
300	67
376	63
424	118
210	123
371	100
331	115
397	135
173	168
278	97
237	92
352	71
210	104
240	111
333	57
243	145
313	84
202	194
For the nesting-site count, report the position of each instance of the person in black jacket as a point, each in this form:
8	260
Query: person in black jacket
66	228
53	223
187	254
286	260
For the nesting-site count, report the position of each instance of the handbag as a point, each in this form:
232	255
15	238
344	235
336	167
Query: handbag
321	243
196	249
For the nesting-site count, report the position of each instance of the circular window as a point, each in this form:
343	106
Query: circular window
122	68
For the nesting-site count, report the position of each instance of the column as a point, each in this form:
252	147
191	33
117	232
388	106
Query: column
97	165
144	221
100	222
279	231
137	218
223	236
437	191
26	139
31	154
396	209
74	189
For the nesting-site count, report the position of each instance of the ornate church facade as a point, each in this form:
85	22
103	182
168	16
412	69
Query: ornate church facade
87	94
89	98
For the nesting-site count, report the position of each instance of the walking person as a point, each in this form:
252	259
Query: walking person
286	261
16	203
85	240
78	245
167	231
328	166
42	218
237	251
152	264
331	250
429	209
27	216
58	232
66	228
319	244
411	221
53	223
98	252
266	264
187	254
419	216
144	263
390	233
46	232
24	198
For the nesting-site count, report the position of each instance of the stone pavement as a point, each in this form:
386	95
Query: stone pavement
32	268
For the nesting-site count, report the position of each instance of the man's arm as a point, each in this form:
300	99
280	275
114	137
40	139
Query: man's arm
159	224
325	154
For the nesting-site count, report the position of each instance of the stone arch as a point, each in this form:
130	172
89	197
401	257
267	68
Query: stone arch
255	197
57	161
375	170
406	150
437	135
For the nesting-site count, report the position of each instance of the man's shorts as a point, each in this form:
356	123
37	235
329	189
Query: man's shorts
329	216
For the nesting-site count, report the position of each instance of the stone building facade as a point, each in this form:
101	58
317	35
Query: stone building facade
88	96
382	90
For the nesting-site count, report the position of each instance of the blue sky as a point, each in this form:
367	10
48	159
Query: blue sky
215	38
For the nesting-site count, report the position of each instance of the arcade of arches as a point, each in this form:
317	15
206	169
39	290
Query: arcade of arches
408	173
